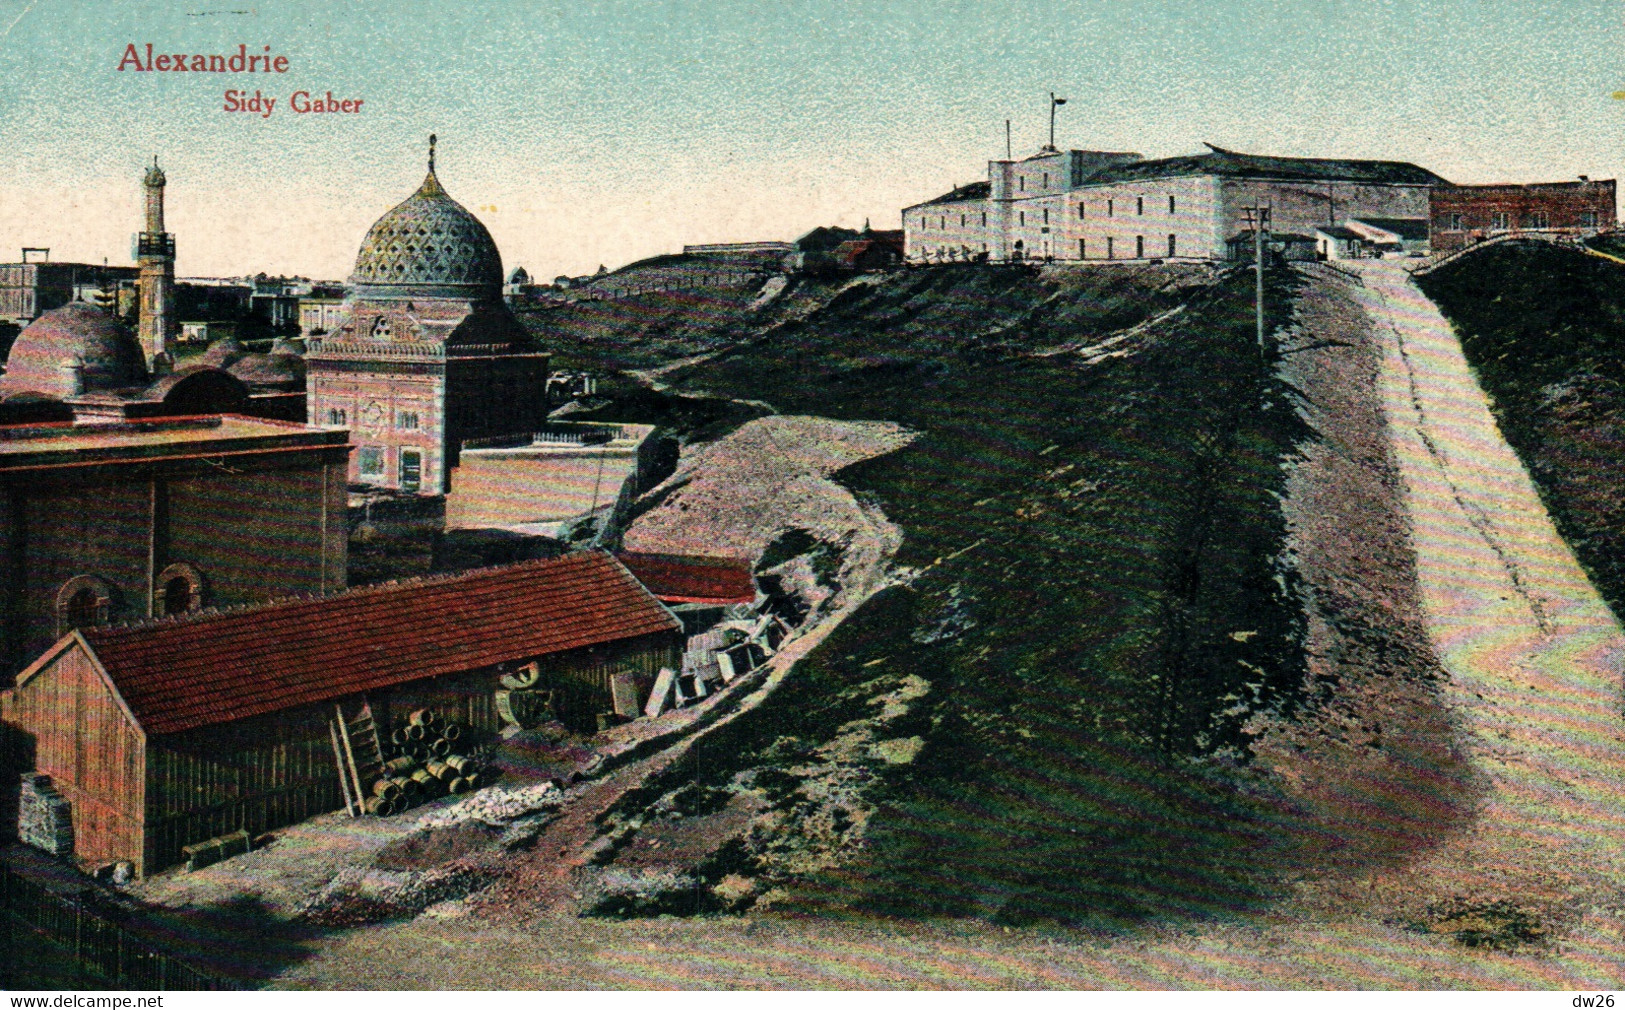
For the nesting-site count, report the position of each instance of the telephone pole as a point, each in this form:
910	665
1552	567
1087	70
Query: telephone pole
1258	219
1053	102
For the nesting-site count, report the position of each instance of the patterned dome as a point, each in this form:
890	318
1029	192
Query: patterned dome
77	334
428	246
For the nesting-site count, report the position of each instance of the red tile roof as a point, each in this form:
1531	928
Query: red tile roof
679	578
199	670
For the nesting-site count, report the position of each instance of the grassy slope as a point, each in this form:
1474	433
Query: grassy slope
1545	329
1097	602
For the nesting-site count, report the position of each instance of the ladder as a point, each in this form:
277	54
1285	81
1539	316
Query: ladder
359	754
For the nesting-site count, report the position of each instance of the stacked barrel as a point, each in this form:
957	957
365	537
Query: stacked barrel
429	762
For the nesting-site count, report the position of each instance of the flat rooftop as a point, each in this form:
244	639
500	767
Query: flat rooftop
29	446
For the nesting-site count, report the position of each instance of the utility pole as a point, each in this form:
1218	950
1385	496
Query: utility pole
1258	219
1007	155
1053	102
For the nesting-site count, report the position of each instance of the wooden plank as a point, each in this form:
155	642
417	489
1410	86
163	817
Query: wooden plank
662	691
338	763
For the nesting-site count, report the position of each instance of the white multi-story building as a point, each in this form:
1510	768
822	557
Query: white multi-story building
1100	205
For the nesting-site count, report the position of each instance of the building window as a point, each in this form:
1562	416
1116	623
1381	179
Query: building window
1046	180
407	420
1080	210
1452	222
180	591
380	328
84	601
1023	216
370	461
1537	219
1500	221
1046	215
1139	247
82	610
962	220
1139	205
1023	183
1170	203
1111	253
1109	205
1082	250
984	219
335	416
1588	219
1172	244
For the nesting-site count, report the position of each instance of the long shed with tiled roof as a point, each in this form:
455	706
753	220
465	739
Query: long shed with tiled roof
171	732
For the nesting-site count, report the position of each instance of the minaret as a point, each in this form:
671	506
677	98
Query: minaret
155	252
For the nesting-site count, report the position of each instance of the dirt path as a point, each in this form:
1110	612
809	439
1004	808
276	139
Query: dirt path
1531	651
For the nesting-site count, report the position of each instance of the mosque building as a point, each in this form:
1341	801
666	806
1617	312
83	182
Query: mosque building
427	354
79	362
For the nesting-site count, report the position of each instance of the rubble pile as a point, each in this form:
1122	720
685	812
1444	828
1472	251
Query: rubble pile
44	818
496	806
358	896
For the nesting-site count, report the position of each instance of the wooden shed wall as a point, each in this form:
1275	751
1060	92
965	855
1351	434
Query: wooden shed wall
256	774
270	771
67	723
581	678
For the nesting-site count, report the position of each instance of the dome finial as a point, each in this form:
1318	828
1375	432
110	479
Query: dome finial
431	154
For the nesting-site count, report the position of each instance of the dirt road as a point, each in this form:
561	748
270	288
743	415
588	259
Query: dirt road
1531	651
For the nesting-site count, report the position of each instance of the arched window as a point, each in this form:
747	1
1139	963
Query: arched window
82	609
84	601
180	591
177	597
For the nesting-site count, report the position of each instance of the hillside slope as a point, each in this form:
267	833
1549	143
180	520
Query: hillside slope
1044	718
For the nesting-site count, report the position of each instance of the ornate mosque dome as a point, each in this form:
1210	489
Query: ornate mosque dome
75	349
428	246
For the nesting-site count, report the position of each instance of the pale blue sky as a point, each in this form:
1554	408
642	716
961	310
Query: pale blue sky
589	133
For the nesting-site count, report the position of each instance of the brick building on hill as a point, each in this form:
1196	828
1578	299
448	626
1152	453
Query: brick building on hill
115	522
1462	215
168	733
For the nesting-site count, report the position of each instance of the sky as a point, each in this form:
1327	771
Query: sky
593	133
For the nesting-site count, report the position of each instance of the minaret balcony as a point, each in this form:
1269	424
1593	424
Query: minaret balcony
155	244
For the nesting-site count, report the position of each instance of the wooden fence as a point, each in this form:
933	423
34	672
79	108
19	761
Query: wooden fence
99	945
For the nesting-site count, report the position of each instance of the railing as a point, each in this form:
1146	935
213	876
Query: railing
150	243
1343	273
1553	236
98	944
558	433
